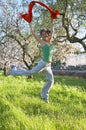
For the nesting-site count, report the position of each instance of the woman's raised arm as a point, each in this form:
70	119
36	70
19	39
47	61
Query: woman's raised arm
35	35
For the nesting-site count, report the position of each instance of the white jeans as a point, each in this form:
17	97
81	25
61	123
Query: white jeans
40	66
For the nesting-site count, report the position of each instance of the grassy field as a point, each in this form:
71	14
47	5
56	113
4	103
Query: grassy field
21	107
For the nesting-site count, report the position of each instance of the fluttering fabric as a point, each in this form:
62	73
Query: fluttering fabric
28	16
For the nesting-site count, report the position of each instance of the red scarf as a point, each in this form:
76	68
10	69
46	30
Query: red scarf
28	16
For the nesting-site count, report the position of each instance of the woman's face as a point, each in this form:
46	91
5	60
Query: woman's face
46	36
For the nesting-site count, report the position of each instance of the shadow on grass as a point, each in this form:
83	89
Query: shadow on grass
64	80
71	81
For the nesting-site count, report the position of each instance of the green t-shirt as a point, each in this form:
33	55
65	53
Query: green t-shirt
47	51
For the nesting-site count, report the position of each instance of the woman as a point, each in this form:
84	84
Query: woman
44	63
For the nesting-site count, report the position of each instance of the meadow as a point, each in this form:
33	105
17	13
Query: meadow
21	107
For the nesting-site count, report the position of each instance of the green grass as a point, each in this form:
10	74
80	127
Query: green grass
21	107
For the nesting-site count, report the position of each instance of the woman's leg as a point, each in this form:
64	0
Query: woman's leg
49	83
41	64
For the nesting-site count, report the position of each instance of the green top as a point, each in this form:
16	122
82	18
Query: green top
47	51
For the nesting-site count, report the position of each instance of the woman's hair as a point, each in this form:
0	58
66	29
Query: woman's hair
45	30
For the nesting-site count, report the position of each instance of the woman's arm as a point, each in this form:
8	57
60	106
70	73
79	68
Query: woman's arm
34	34
52	29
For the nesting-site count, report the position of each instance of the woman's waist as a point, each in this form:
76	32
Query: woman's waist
47	62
